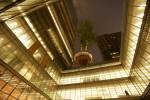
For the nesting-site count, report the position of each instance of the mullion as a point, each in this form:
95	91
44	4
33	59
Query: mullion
14	88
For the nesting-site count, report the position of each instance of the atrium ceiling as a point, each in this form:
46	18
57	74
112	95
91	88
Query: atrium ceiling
36	54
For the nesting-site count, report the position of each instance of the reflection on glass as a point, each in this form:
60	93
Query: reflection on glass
12	55
12	88
104	90
22	33
136	10
39	54
38	37
141	67
95	75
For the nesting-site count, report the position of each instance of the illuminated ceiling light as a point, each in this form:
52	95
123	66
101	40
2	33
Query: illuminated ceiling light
44	46
12	24
9	46
23	14
19	7
15	52
142	6
23	71
36	34
138	23
42	42
140	15
1	39
5	18
59	30
40	38
33	29
28	75
54	38
23	38
17	31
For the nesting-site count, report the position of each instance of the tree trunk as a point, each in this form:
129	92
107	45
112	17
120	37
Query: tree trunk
84	47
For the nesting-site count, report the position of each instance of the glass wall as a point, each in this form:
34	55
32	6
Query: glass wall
38	37
20	28
135	14
99	74
39	54
13	55
96	91
13	88
53	71
22	32
141	66
49	66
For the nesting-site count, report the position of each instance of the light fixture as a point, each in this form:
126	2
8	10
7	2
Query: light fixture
83	58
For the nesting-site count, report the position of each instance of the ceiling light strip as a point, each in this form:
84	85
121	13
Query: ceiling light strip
35	32
57	44
58	26
38	37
